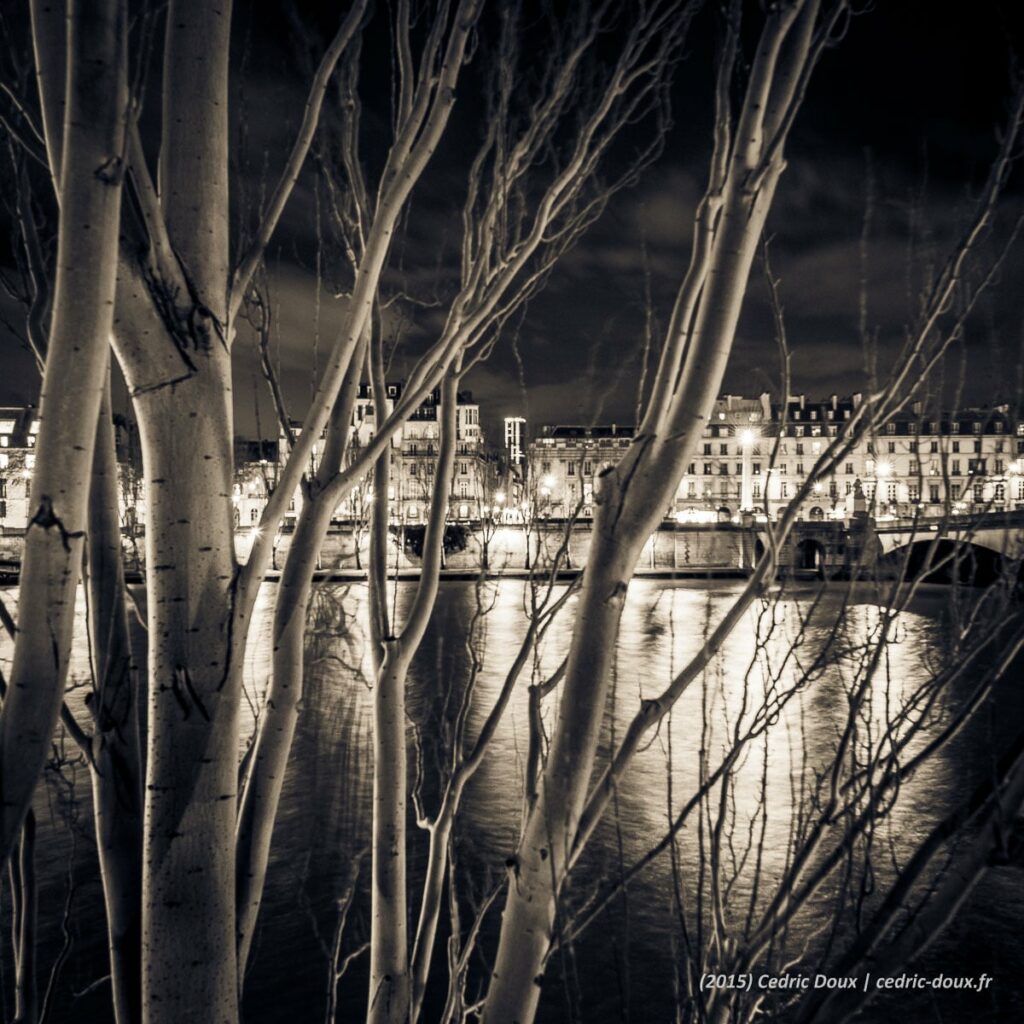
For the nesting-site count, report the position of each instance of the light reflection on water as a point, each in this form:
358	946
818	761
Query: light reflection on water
623	967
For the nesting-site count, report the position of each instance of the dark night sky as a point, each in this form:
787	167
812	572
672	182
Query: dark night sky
915	91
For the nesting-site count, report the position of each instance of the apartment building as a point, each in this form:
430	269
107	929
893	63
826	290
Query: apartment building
413	452
758	456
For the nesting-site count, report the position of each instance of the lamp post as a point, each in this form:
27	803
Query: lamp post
747	439
883	470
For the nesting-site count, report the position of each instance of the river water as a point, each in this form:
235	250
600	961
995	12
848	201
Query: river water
802	653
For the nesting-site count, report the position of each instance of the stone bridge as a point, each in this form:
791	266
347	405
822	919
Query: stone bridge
985	542
1001	532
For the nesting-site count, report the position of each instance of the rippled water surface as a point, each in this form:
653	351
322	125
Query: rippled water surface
790	653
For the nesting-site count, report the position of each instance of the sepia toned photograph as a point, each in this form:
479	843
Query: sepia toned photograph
511	512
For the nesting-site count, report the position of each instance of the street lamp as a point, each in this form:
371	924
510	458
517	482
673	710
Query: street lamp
747	438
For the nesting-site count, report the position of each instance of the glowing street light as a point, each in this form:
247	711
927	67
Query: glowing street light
747	438
499	498
548	481
883	469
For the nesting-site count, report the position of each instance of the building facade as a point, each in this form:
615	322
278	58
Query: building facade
413	456
19	426
564	462
756	456
515	430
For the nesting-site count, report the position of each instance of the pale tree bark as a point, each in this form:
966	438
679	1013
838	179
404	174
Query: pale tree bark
633	496
73	387
25	924
504	259
418	134
175	299
173	335
466	759
427	100
390	981
116	756
264	778
936	329
185	429
113	750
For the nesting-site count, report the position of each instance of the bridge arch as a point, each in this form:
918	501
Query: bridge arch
948	560
810	556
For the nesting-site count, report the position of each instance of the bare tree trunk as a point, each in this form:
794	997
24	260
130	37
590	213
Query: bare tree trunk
24	922
188	940
389	946
390	976
73	386
539	866
423	120
633	496
433	894
261	791
192	762
115	755
116	762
